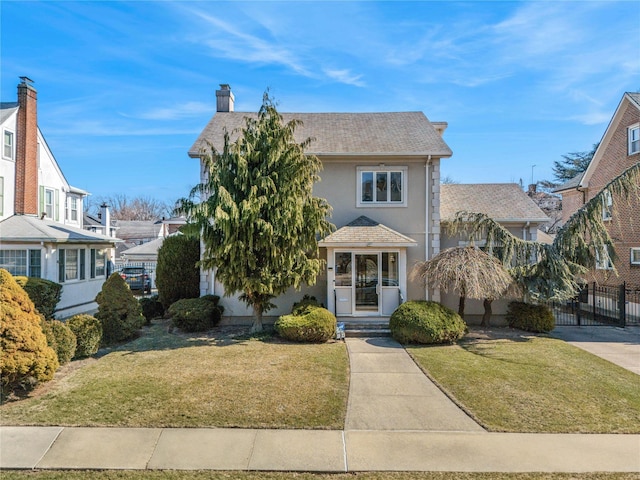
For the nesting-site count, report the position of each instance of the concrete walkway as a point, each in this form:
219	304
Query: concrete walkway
397	420
618	345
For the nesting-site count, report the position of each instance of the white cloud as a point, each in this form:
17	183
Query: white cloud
187	110
345	76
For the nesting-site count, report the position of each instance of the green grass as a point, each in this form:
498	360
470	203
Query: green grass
182	475
169	380
534	384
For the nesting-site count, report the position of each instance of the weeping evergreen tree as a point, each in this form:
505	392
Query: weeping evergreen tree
556	273
259	222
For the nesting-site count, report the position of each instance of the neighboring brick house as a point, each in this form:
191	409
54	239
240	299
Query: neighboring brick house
41	220
618	150
381	175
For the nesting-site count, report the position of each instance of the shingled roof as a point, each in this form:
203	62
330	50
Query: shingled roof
393	133
27	228
365	232
504	202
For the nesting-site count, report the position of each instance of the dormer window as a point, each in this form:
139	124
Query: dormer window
634	139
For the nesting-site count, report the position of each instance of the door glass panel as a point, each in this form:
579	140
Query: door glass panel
343	269
389	269
366	282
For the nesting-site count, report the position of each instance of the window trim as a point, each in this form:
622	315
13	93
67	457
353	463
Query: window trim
631	254
6	131
376	169
630	140
94	271
80	265
30	268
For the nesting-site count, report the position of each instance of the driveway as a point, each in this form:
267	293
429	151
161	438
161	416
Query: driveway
618	345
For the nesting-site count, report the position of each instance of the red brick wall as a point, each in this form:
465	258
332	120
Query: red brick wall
572	200
624	227
26	199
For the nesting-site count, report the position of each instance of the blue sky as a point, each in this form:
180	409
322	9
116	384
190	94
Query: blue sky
124	88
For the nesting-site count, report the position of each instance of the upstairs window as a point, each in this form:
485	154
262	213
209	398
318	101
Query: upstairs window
607	206
48	202
382	186
634	139
7	144
73	209
635	256
603	260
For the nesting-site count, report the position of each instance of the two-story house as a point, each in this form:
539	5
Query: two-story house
618	150
381	175
41	215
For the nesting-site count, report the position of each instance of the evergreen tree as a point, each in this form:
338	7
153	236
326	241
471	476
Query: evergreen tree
259	222
571	165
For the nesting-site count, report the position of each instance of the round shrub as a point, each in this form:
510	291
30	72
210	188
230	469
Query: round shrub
65	341
307	303
44	294
317	324
194	314
532	318
426	322
151	308
25	357
88	332
177	273
118	311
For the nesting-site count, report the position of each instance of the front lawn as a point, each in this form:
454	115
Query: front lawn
515	382
171	380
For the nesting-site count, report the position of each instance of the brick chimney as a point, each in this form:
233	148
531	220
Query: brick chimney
26	199
224	98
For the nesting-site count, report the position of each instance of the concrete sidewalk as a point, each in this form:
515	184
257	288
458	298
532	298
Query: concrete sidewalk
618	345
313	451
397	420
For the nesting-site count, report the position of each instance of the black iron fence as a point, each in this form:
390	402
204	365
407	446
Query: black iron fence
598	305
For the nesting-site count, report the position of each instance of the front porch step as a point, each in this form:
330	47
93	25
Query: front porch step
366	328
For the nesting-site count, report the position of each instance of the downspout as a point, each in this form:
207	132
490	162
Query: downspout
428	203
524	230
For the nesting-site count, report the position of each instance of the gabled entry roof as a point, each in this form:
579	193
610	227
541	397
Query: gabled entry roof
364	232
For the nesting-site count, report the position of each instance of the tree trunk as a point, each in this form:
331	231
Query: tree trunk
257	319
461	306
486	316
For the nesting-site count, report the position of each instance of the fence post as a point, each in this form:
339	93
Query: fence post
595	303
622	304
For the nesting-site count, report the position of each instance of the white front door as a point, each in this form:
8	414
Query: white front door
366	283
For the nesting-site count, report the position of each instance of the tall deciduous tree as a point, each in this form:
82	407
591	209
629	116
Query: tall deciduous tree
259	222
123	207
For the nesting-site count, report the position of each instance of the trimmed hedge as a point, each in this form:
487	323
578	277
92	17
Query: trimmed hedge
426	322
177	273
25	357
532	318
195	314
44	294
118	311
88	332
60	338
314	324
151	308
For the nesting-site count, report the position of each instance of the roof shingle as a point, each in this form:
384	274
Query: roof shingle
500	201
393	133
